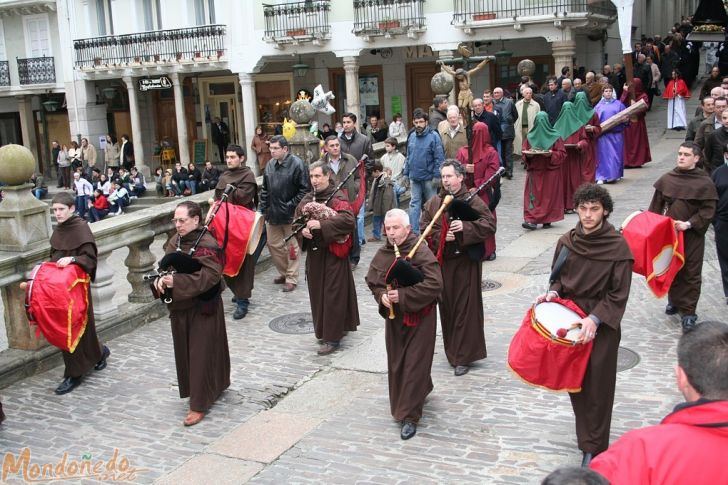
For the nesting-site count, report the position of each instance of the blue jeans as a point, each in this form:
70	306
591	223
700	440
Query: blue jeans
81	202
39	193
97	214
192	184
377	222
360	225
398	190
420	192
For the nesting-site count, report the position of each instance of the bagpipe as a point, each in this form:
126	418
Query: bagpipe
401	273
185	263
463	211
313	210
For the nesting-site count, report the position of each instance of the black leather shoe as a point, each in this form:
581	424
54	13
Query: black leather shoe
547	225
529	226
409	429
491	257
587	458
68	385
242	310
670	310
689	322
461	370
101	365
234	299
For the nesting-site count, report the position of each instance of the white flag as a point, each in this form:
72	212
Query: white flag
624	19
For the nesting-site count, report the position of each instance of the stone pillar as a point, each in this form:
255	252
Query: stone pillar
447	55
102	290
140	262
20	334
27	125
351	68
250	116
136	127
179	109
25	222
564	52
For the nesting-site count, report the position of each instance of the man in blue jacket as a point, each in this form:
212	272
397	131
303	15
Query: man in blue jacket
424	157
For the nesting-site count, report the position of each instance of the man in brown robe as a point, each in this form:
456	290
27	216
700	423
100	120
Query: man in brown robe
688	196
196	312
327	241
73	243
596	275
410	335
245	194
459	246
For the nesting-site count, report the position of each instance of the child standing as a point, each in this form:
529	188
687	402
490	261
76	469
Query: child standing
394	161
381	198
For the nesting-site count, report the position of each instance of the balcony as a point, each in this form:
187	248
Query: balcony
4	74
190	45
294	23
37	70
388	18
468	14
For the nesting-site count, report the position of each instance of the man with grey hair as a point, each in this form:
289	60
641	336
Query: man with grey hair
567	89
452	132
409	315
527	108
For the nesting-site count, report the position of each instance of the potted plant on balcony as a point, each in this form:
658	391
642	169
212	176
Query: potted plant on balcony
484	16
296	32
388	24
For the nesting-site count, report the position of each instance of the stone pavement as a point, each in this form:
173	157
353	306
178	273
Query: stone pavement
291	416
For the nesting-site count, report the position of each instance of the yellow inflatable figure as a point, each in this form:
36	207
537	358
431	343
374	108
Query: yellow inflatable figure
289	128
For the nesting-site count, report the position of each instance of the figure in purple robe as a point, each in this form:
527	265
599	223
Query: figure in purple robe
610	145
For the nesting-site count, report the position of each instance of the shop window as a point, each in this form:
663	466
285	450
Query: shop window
274	99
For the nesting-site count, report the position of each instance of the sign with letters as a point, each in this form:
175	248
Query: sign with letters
149	83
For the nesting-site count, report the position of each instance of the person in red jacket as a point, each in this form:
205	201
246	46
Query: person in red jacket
690	445
100	207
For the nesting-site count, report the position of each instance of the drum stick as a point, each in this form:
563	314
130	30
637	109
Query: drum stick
445	202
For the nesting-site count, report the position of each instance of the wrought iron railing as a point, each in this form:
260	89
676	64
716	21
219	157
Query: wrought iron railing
469	11
306	20
4	73
37	70
205	42
383	16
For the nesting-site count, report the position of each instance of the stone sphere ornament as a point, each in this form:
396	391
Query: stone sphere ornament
526	67
16	164
441	83
302	111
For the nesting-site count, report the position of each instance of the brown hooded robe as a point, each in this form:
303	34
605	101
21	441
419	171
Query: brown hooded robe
461	303
688	196
409	349
597	276
198	327
73	238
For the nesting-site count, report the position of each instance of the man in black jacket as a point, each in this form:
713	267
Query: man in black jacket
553	99
509	115
285	182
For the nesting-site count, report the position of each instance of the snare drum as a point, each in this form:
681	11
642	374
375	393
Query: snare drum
56	300
657	247
544	351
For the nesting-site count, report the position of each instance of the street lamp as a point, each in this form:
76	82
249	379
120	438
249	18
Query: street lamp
503	57
300	69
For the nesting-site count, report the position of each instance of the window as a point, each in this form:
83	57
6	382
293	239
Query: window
3	54
152	15
204	12
37	36
104	20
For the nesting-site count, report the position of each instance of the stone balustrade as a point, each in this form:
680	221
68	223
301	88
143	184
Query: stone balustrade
135	231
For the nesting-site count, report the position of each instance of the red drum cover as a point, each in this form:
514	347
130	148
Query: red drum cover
657	247
56	300
545	360
240	223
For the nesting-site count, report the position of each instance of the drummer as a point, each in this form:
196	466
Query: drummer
73	243
246	195
596	275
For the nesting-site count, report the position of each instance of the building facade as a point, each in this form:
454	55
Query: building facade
162	70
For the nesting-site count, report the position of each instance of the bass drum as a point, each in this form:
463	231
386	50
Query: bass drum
56	300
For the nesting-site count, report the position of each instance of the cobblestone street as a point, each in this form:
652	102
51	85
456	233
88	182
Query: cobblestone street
291	416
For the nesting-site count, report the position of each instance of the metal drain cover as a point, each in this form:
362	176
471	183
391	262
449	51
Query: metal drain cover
626	359
489	285
293	323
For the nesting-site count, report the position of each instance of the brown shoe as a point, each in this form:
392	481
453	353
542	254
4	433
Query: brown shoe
373	239
288	287
327	348
193	417
280	280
